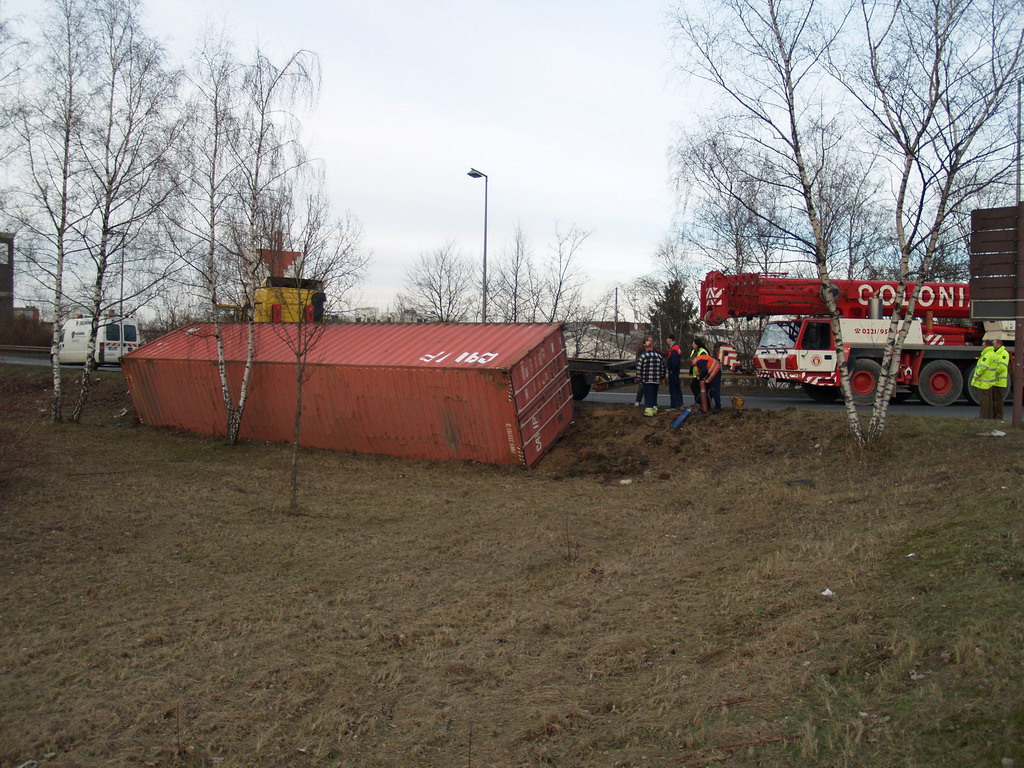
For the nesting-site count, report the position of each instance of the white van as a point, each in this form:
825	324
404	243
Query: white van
115	336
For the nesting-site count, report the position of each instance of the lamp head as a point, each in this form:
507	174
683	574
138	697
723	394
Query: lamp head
476	174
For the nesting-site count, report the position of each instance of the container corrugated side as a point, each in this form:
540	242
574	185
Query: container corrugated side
468	412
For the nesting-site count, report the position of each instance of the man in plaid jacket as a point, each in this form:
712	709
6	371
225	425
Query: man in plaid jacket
650	370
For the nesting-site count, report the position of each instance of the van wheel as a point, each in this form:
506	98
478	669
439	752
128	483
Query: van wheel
864	375
940	384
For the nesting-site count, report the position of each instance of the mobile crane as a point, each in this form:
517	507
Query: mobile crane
937	360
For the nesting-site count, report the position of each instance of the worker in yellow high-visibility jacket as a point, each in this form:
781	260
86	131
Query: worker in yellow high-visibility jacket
991	376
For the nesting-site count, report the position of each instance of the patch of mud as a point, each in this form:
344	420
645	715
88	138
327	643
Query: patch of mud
617	441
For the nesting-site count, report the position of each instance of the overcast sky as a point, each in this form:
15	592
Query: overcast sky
568	105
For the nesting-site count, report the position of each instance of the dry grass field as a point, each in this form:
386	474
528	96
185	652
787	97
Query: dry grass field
645	597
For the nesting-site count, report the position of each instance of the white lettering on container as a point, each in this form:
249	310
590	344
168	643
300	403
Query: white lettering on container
481	358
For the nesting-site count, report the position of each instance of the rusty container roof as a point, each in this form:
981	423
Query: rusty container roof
497	393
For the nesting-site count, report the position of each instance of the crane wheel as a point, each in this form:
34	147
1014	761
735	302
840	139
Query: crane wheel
821	394
940	383
864	375
973	394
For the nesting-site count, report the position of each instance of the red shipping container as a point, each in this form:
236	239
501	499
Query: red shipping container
497	393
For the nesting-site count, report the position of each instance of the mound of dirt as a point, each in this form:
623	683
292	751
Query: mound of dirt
616	441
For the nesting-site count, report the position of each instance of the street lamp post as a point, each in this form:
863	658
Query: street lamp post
473	172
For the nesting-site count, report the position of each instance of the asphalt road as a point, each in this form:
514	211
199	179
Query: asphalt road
9	359
776	401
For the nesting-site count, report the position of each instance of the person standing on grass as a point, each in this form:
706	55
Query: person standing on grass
650	370
696	350
709	371
674	364
991	376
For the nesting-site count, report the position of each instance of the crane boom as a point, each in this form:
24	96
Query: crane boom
757	295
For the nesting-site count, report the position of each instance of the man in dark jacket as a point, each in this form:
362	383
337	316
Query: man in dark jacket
696	350
674	362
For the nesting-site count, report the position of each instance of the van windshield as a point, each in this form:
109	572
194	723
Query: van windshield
781	335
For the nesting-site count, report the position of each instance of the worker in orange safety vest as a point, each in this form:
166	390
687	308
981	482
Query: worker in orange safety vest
709	371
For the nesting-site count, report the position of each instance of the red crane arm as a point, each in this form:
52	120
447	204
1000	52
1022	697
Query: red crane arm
754	295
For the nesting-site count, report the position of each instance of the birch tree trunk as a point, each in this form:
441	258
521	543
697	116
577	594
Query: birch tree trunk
49	125
300	370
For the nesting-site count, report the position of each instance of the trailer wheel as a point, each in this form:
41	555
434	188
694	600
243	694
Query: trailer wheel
864	375
821	394
973	394
580	386
940	384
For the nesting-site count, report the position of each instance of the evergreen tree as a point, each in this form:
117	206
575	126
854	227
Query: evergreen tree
674	313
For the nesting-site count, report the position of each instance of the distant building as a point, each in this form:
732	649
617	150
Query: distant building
27	314
374	315
6	279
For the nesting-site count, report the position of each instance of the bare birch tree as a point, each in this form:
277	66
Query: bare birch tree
852	218
331	263
736	212
562	281
196	229
440	285
561	287
265	154
765	57
209	193
49	123
126	147
936	80
13	52
515	293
